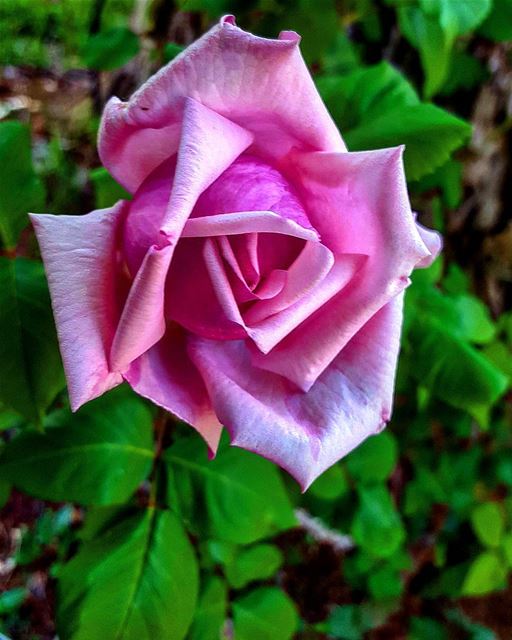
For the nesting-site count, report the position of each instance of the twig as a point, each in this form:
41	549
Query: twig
321	533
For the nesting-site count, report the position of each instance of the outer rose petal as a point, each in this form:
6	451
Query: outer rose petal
79	254
358	202
209	144
260	84
142	323
433	241
165	375
305	433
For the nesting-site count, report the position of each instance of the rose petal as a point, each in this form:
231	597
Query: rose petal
260	84
268	334
166	376
245	222
142	322
434	243
358	202
79	254
305	433
209	144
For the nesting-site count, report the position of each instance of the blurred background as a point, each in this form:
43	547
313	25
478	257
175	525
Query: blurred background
411	535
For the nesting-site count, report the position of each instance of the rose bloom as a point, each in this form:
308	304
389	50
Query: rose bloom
256	278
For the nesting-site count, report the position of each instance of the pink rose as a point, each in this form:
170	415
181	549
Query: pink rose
255	280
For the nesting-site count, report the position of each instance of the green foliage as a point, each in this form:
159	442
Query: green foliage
31	373
146	554
97	456
110	49
259	562
377	527
332	484
488	522
498	24
374	460
348	622
433	26
199	487
486	574
211	610
106	190
376	108
21	191
265	613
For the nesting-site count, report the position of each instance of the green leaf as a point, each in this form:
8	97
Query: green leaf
211	611
266	614
377	527
137	579
106	189
21	191
317	21
507	548
475	320
374	460
498	24
453	370
488	522
110	49
5	493
348	622
429	133
465	72
448	179
426	629
31	373
365	94
457	18
456	281
377	107
426	34
171	50
501	356
240	493
385	583
486	574
256	563
12	600
331	485
99	456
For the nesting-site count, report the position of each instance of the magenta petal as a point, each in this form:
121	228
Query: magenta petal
165	375
305	433
79	254
142	322
262	85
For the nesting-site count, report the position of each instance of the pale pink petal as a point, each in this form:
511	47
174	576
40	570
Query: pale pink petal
262	85
358	202
305	433
245	222
270	333
166	376
79	254
433	241
310	267
209	144
142	322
